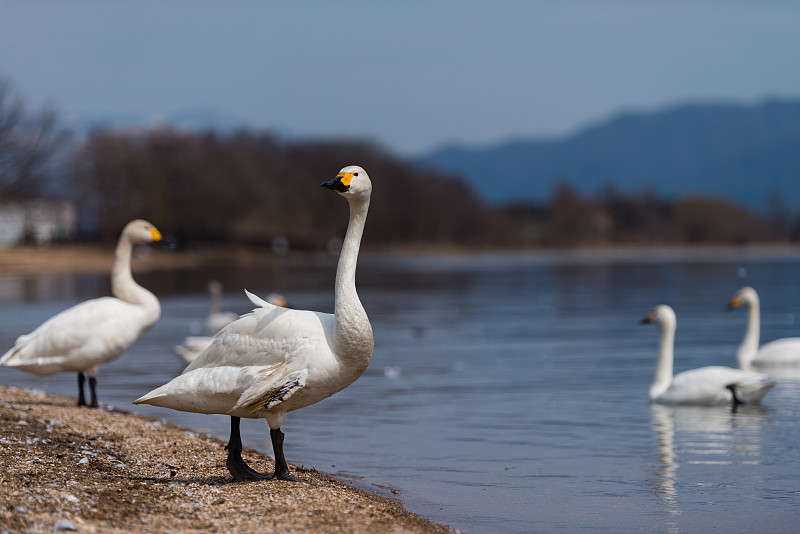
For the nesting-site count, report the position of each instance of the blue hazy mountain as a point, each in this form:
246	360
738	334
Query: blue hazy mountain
745	153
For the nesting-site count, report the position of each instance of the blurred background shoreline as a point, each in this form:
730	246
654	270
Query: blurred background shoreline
73	259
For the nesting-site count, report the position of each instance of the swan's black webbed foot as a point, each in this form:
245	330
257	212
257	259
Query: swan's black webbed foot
239	470
236	465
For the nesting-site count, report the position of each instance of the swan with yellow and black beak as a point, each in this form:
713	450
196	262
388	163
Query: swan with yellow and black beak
275	360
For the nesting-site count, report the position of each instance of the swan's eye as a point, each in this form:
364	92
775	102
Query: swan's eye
355	174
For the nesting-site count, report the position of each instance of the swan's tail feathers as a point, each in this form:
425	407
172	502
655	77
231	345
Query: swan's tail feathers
156	397
274	386
21	342
7	356
750	391
149	398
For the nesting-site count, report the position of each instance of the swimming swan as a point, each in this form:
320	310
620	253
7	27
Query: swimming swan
706	386
192	346
217	319
781	352
97	331
275	360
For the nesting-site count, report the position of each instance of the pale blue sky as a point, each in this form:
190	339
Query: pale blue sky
411	75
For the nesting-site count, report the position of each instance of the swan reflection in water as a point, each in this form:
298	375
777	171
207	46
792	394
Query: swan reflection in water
703	436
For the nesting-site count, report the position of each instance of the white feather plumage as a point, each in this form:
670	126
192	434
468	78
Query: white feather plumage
193	346
784	352
708	386
274	360
97	331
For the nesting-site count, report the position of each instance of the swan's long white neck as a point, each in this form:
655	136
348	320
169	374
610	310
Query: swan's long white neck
125	288
663	376
353	341
749	346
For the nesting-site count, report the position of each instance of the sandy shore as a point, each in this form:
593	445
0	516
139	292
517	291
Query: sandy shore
65	467
74	259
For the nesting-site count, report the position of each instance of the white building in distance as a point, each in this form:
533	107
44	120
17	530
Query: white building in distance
38	221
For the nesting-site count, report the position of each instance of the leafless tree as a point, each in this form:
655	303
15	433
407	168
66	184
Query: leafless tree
29	144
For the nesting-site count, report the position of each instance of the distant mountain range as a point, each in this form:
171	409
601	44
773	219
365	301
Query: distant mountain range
745	153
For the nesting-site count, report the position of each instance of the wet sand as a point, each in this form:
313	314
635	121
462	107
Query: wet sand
66	467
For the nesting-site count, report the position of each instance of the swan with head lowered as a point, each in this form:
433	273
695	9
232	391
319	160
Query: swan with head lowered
778	353
705	386
275	360
94	332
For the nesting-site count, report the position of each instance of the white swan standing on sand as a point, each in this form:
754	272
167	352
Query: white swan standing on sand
275	360
781	352
706	386
97	331
192	346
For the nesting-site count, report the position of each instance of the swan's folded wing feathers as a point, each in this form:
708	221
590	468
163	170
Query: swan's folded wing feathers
258	301
266	337
74	332
271	386
752	387
239	350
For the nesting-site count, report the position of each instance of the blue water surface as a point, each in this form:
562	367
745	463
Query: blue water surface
507	393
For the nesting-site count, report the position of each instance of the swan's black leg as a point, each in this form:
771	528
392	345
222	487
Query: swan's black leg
281	467
736	400
235	463
93	391
81	380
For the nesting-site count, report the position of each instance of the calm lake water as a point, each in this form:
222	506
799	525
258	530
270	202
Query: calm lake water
506	393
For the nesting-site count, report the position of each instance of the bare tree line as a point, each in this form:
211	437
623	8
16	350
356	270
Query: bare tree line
29	144
251	187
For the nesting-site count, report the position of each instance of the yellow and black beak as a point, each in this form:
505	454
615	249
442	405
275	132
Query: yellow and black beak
155	235
734	303
650	318
341	183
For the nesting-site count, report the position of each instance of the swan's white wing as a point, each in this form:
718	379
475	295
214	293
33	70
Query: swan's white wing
258	301
254	364
784	351
709	386
751	389
269	336
271	387
242	391
77	339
